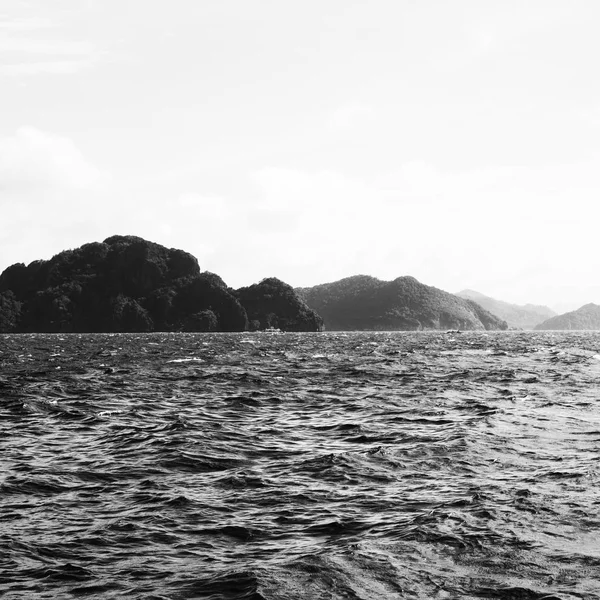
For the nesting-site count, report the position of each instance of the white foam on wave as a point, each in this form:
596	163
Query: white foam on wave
184	360
109	413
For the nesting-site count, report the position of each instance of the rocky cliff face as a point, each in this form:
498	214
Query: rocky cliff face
516	316
585	318
124	284
366	303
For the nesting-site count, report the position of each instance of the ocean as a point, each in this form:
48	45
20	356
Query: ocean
422	465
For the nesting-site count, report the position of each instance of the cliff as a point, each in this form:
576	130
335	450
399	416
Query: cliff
124	284
366	303
516	316
585	318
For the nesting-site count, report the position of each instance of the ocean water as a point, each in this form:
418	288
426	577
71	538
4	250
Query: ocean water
300	466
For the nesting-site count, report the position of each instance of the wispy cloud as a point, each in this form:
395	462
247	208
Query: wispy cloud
25	24
32	160
28	45
49	189
32	46
56	67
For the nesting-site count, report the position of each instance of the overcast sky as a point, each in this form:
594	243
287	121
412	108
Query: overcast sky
454	141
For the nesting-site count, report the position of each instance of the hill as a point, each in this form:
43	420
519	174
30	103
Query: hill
517	316
585	318
272	303
366	303
128	284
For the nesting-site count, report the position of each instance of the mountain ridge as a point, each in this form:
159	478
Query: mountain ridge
585	318
363	302
517	316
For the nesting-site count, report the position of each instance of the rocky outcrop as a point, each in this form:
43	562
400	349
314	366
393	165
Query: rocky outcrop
366	303
585	318
517	316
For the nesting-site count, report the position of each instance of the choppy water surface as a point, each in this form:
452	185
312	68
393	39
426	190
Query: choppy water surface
358	466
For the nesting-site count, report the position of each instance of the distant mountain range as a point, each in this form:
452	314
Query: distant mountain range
517	316
366	303
585	318
128	284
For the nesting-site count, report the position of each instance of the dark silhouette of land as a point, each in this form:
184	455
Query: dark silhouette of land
366	303
585	318
128	284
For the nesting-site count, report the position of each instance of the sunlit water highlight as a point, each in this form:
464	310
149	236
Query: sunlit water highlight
360	466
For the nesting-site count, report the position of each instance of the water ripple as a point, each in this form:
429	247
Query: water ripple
368	465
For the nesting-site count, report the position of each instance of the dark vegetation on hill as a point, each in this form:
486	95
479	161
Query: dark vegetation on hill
127	284
366	303
585	318
272	303
517	316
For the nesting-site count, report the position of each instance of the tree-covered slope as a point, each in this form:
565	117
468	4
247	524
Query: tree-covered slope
517	316
124	284
585	318
366	303
273	303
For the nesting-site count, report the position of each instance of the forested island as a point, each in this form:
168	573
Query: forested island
585	318
128	284
362	302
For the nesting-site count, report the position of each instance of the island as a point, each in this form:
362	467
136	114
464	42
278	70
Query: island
585	318
362	302
129	284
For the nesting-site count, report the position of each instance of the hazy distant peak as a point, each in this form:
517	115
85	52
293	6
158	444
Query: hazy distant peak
466	293
517	316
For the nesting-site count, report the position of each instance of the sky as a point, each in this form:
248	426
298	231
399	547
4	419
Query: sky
457	142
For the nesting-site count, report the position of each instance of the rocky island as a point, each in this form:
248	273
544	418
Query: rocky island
404	304
128	284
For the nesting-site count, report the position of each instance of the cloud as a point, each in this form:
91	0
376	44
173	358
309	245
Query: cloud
32	159
334	223
32	46
489	227
495	229
51	67
47	46
25	24
51	197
